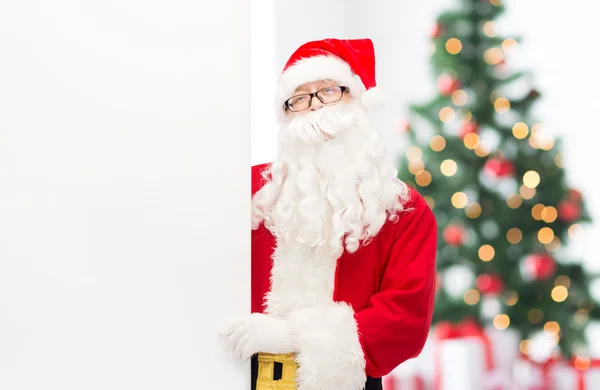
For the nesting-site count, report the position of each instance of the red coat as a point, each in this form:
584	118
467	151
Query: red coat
390	283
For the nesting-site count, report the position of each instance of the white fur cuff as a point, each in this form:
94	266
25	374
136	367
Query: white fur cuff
330	357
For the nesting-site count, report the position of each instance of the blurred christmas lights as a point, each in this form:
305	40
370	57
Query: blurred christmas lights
573	229
509	44
459	97
563	280
531	179
559	293
453	45
512	299
471	297
535	316
423	178
536	211
514	235
437	143
473	210
549	214
486	252
489	29
447	114
501	321
448	167
415	166
493	56
520	130
545	235
414	153
526	192
501	105
514	201
459	200
471	141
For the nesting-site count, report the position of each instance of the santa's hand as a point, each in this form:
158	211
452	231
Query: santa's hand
259	333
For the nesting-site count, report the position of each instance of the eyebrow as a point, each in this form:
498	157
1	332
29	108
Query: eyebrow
323	84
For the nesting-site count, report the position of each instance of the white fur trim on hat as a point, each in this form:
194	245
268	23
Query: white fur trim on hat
373	98
316	68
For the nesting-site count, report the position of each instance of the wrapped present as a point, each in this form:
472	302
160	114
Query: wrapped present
396	382
406	376
463	356
467	356
577	374
530	374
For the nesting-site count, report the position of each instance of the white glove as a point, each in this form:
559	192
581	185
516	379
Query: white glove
259	333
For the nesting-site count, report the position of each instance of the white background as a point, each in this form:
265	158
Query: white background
124	193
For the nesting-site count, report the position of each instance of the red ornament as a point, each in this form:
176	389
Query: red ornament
405	127
489	284
448	84
539	266
469	127
454	235
499	167
437	30
438	282
574	195
568	211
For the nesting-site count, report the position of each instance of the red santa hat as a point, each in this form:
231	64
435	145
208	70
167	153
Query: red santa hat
350	62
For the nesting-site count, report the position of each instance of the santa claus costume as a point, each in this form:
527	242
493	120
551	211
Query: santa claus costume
342	250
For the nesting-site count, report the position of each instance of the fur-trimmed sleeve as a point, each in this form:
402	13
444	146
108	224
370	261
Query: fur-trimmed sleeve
394	326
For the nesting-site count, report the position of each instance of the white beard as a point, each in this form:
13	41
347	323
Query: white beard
332	185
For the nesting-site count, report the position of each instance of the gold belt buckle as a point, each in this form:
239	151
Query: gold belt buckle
266	372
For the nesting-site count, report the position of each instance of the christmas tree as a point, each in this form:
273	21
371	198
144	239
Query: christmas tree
495	181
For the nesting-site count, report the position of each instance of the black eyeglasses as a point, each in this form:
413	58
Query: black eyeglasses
326	95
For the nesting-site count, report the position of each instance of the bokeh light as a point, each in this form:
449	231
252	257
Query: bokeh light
546	235
453	45
514	201
414	153
514	235
459	97
501	321
423	178
448	167
471	141
473	210
471	297
520	130
559	293
486	252
501	105
437	143
460	200
531	179
447	114
535	316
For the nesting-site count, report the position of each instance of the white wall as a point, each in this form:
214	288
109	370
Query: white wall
124	154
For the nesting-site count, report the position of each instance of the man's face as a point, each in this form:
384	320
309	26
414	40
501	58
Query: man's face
329	92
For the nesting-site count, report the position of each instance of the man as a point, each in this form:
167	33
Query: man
343	253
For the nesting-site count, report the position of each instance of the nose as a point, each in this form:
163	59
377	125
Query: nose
315	104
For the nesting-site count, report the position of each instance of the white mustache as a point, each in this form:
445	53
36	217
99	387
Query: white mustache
322	125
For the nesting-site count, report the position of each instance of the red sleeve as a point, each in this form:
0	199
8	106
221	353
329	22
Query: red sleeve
394	326
257	179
